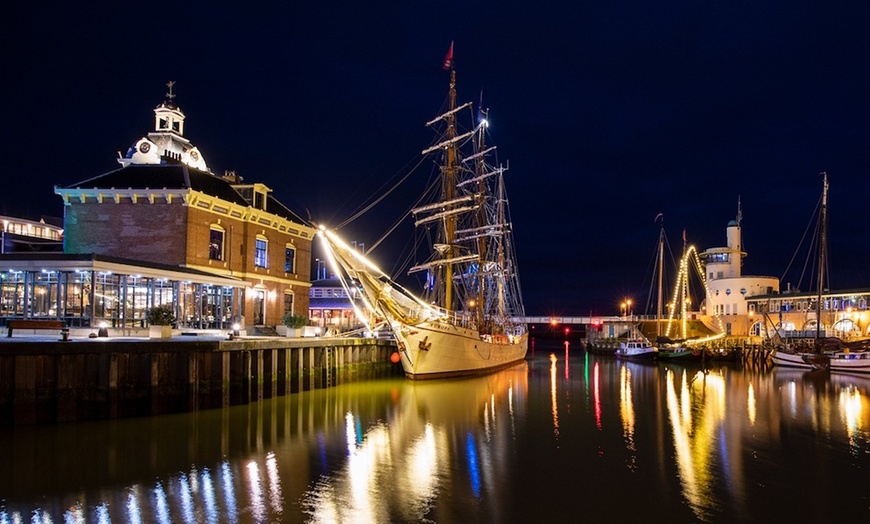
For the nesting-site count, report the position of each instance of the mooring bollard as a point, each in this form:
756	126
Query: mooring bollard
64	333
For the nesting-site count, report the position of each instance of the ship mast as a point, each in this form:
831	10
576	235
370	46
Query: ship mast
823	247
480	168
448	190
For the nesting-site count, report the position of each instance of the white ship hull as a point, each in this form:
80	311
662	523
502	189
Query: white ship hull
435	349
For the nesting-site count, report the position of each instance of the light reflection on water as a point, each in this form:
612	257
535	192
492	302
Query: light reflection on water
564	436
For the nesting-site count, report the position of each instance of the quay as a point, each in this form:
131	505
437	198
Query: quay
44	379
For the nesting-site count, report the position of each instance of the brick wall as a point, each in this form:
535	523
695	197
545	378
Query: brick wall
142	231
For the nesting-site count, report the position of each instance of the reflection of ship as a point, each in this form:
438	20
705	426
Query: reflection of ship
466	322
440	435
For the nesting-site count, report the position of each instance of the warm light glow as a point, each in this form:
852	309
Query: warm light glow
553	399
626	413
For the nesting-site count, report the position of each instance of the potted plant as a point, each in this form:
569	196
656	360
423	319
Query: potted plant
294	323
160	319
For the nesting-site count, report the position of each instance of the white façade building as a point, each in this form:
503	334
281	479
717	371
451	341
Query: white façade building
727	288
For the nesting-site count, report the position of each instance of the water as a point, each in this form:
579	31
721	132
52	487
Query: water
565	436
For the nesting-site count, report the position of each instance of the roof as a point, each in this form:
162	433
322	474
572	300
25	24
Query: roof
177	176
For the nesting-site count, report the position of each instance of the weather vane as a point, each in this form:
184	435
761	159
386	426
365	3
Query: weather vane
169	84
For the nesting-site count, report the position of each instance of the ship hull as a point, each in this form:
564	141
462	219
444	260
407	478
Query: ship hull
858	362
439	349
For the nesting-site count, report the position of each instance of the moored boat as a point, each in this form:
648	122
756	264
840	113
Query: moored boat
468	317
824	353
636	348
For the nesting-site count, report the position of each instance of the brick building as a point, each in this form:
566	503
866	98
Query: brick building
165	208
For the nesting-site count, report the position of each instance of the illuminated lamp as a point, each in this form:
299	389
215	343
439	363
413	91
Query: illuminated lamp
235	332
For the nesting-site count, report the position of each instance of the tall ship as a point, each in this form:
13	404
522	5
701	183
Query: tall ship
468	317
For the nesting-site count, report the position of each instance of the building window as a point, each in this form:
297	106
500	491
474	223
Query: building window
216	243
289	259
288	302
260	258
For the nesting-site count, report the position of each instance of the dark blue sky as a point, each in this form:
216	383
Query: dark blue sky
609	113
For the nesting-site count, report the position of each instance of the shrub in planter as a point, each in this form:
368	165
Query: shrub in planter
294	321
160	315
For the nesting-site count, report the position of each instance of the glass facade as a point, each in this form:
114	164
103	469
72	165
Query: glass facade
89	298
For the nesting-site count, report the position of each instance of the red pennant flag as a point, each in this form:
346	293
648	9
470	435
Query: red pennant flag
448	58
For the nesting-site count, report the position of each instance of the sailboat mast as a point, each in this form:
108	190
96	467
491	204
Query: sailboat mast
448	190
823	248
661	280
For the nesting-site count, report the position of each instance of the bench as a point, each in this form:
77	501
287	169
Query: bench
33	324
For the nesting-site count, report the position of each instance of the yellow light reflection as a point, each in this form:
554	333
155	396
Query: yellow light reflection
851	406
626	413
750	404
554	405
421	474
697	414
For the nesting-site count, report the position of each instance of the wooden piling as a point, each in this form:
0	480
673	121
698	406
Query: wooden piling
52	381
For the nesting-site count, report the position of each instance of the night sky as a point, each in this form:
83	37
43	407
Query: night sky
608	112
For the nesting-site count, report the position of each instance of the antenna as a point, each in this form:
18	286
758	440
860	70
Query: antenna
739	211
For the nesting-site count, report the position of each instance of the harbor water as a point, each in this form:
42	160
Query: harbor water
564	436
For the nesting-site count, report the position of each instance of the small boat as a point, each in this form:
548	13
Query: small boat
670	352
637	347
468	317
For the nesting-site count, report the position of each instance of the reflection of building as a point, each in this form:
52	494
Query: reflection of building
220	250
26	236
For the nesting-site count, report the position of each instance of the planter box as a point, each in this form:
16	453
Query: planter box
285	331
159	331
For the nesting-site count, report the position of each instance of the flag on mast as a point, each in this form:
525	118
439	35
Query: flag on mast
448	58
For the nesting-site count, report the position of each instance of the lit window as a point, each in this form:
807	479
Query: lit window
216	244
260	258
289	259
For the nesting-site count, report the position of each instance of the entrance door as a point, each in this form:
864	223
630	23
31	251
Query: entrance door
259	307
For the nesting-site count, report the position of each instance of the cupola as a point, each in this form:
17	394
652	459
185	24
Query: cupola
166	144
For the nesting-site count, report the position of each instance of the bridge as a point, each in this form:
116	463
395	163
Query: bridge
586	321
